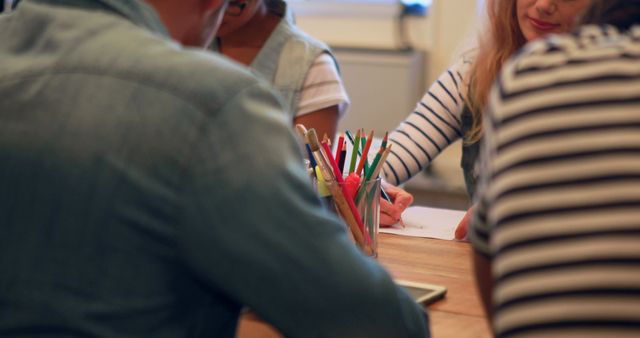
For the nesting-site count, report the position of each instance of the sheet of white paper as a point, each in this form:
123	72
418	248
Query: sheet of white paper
427	222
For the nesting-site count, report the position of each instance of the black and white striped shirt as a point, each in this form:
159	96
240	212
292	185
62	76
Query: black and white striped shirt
560	200
432	126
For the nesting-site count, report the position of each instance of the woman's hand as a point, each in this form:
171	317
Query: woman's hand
461	229
390	212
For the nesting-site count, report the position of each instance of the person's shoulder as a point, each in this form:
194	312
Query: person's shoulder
588	45
567	70
463	64
129	53
301	37
468	57
568	57
203	76
298	37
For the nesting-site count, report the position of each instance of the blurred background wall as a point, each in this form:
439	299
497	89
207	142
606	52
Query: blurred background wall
388	60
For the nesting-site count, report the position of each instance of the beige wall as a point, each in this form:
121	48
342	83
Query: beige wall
448	28
455	27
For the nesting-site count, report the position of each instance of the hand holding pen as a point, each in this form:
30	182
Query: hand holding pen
390	212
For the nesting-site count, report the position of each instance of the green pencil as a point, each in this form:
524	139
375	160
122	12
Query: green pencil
354	153
367	175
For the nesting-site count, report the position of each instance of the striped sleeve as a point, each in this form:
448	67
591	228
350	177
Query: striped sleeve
431	127
562	199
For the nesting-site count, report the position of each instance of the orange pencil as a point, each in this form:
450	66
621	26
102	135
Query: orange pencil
363	157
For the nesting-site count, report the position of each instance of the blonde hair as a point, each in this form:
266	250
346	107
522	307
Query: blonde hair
504	38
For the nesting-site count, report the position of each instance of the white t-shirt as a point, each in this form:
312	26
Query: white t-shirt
322	87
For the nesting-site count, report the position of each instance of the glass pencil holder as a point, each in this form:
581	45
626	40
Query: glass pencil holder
364	223
367	202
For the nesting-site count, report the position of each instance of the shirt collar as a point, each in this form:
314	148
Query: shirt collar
136	11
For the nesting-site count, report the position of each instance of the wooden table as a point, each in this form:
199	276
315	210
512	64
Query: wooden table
458	315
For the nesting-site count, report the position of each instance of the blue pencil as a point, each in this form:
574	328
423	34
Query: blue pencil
312	161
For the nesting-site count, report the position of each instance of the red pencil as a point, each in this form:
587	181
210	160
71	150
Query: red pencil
347	210
339	148
350	202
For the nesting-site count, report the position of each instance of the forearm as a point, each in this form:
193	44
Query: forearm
253	230
324	121
427	131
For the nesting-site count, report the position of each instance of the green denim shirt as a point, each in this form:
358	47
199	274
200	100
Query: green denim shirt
149	190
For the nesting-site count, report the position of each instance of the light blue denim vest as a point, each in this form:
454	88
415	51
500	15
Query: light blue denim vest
286	57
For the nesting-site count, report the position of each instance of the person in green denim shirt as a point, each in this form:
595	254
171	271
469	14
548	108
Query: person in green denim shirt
153	190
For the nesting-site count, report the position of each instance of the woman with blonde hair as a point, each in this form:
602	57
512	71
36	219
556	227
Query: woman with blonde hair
453	107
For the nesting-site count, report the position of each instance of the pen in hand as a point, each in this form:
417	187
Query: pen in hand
392	211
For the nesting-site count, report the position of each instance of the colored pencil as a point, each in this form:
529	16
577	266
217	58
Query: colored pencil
325	138
363	142
339	149
345	205
326	150
302	131
343	156
354	153
365	152
312	161
350	202
384	193
376	171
